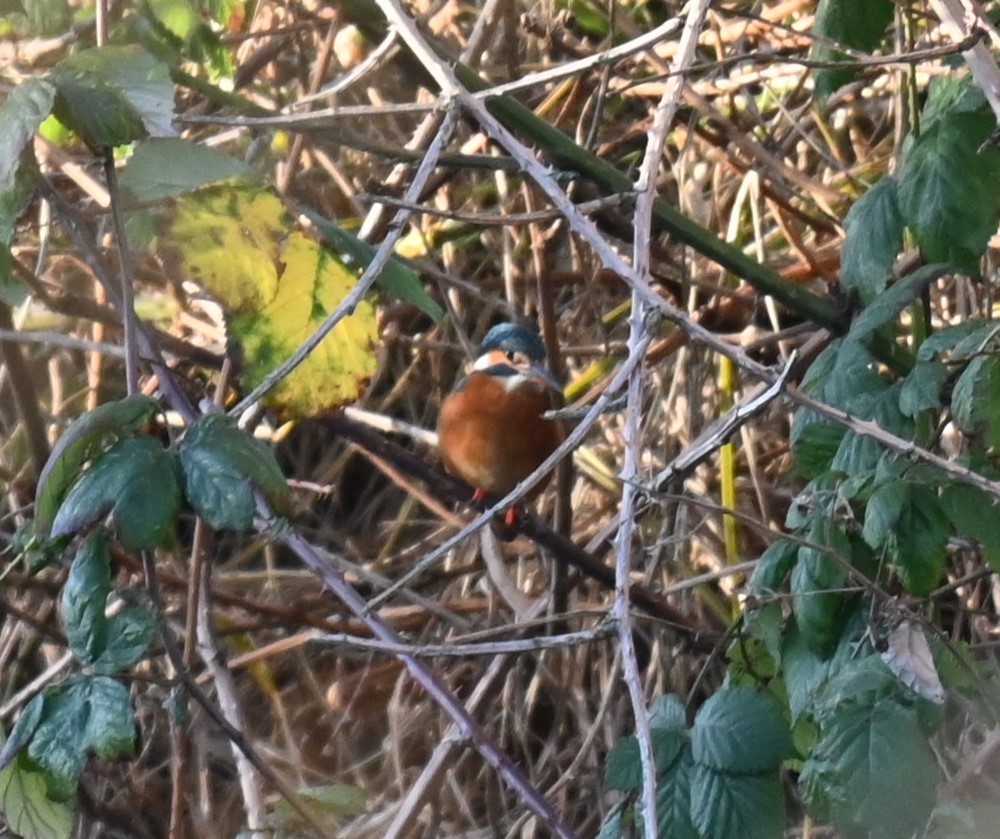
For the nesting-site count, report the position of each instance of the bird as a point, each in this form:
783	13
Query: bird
491	431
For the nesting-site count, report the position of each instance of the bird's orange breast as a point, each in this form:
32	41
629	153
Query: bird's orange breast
493	437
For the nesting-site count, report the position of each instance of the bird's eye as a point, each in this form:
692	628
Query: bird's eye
511	355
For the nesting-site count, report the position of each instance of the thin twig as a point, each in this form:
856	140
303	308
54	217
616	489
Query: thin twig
639	325
127	308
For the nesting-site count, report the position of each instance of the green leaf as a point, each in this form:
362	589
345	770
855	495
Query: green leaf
888	305
922	387
613	826
136	481
15	198
167	167
23	730
728	806
667	714
222	466
96	111
920	540
872	770
85	596
805	673
27	106
396	278
814	444
949	191
26	807
135	76
106	644
84	714
817	604
883	512
874	228
974	513
952	93
740	730
668	731
853	23
975	400
673	799
82	441
47	17
772	568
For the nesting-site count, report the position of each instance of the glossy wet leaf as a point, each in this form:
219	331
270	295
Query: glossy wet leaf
107	644
83	715
222	467
136	481
86	438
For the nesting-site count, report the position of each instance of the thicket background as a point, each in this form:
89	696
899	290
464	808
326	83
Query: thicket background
758	241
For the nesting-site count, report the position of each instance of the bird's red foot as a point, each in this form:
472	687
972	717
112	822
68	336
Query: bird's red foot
512	517
478	497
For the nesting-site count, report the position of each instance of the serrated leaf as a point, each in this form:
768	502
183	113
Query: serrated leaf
673	799
21	114
740	730
136	481
873	771
167	167
728	806
83	440
84	714
975	399
952	93
874	236
396	279
26	807
277	287
817	603
623	766
949	190
222	466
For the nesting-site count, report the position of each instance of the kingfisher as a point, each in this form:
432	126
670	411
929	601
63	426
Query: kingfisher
491	430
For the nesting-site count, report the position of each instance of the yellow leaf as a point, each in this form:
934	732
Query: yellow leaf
277	287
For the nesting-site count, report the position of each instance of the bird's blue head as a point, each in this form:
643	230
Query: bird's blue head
516	354
514	338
